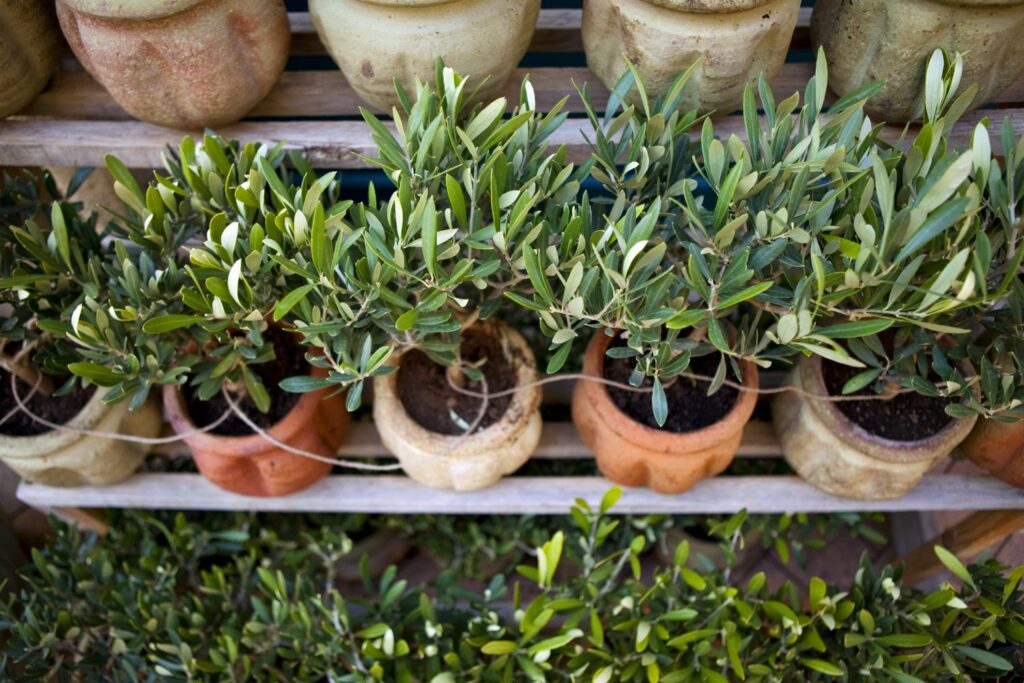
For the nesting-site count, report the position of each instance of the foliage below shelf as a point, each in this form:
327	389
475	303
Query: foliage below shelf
245	602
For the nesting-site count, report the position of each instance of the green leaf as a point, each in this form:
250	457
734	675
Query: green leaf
290	300
821	666
610	498
905	640
499	647
954	565
97	374
744	295
659	402
122	175
406	320
853	330
989	659
302	385
60	233
687	318
257	392
169	323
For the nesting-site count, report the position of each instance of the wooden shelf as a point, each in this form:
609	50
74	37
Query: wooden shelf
526	495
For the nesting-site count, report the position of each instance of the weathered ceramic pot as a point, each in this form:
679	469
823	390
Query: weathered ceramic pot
465	463
999	448
180	63
891	41
839	456
65	458
251	465
633	454
376	42
29	50
734	41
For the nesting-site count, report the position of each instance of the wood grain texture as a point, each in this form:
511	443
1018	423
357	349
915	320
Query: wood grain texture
326	144
965	540
526	495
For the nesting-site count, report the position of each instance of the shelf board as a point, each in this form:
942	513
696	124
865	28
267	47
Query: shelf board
526	495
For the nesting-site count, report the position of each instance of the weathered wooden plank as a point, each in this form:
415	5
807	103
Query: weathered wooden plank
965	540
526	495
321	94
558	30
327	144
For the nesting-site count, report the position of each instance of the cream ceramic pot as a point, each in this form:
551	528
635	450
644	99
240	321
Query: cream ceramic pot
64	458
376	42
180	63
891	40
465	463
29	46
839	456
734	41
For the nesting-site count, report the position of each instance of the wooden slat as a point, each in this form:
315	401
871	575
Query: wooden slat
526	495
558	30
326	144
321	94
558	441
965	540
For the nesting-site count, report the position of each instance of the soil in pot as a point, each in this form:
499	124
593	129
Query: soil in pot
55	409
689	406
906	417
434	404
289	361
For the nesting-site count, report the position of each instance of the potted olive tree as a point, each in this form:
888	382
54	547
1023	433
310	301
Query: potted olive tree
997	442
194	318
47	268
673	281
894	281
377	43
420	278
732	41
185	63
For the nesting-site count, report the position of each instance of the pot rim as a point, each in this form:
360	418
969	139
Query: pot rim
671	442
92	413
517	416
712	6
130	10
294	422
809	377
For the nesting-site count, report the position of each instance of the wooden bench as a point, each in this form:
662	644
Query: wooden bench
75	123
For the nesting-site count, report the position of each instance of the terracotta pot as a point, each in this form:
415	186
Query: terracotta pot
839	456
465	463
64	458
734	40
999	448
891	41
376	42
180	63
633	454
251	465
29	50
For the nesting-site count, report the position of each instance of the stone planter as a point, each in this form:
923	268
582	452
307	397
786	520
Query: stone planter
64	458
476	461
999	448
376	42
735	40
839	456
891	41
180	63
29	49
251	465
633	454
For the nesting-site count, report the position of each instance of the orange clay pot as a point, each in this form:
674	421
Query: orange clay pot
999	448
633	454
252	466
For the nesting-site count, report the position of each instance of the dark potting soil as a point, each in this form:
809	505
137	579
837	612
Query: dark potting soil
689	406
905	417
428	398
289	361
55	409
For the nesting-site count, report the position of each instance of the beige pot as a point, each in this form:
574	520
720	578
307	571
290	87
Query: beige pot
64	458
376	42
465	463
839	456
180	63
734	40
891	41
29	50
